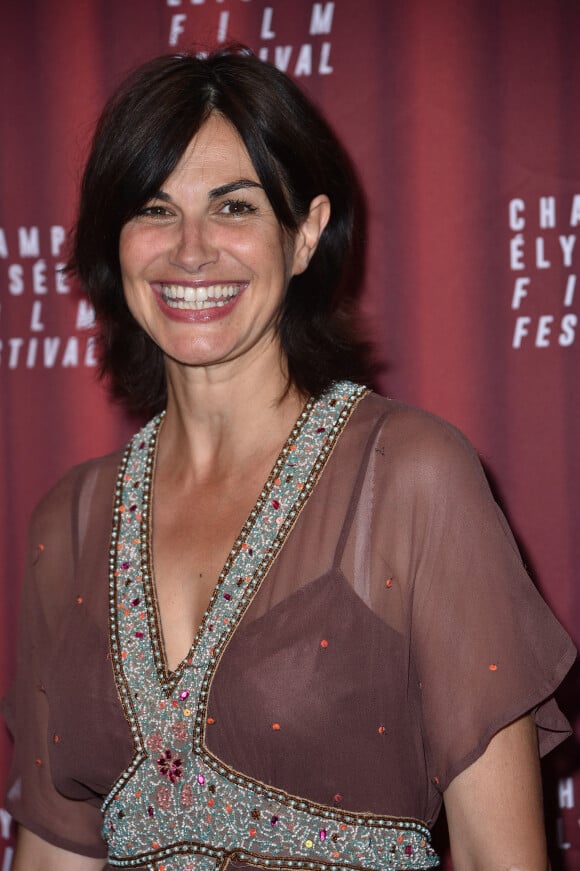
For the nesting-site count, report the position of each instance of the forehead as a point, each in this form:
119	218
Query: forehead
215	154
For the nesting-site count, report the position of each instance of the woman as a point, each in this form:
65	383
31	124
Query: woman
317	627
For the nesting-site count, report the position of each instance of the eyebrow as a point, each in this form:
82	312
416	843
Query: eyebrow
221	191
232	186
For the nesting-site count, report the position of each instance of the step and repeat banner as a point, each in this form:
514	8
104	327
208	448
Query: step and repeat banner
462	119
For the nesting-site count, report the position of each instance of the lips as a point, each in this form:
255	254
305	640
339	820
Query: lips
178	296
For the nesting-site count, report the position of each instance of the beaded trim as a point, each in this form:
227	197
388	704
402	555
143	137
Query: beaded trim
177	803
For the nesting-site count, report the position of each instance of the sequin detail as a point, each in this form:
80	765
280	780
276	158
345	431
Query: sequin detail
170	765
229	815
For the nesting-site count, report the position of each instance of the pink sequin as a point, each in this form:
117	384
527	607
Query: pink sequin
170	765
184	695
200	779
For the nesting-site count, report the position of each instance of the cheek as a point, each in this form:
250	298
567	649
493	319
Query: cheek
266	250
126	252
130	251
131	261
137	247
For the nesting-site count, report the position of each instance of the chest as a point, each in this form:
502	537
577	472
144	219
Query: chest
192	533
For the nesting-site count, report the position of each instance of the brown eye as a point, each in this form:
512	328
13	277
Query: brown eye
237	208
154	212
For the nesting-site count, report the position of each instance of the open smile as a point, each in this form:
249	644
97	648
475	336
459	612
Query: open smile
187	298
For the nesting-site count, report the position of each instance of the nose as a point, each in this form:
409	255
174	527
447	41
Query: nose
194	247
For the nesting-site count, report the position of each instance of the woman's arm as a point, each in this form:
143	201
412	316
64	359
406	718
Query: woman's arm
494	807
34	854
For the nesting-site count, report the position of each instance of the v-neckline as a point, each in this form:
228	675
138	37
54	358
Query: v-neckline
170	677
136	636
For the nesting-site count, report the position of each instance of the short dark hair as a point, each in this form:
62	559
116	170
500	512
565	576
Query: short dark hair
141	135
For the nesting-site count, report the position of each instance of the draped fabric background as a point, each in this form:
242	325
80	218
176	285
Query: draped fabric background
462	119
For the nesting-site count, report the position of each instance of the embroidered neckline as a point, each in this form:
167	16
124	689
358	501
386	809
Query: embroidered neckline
158	808
169	678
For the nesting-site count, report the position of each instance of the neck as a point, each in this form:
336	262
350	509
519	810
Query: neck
220	418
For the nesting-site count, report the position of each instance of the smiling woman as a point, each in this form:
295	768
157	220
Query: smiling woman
316	627
284	157
205	270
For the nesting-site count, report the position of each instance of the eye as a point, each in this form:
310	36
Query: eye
237	208
154	212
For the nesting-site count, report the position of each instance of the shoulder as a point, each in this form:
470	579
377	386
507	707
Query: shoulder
419	442
68	540
420	462
80	487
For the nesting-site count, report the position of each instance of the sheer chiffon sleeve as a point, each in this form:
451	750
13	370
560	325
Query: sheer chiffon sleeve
438	639
51	593
484	646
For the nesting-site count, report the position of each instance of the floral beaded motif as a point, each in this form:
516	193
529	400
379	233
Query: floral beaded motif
177	803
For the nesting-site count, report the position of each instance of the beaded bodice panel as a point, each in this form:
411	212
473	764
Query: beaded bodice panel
177	806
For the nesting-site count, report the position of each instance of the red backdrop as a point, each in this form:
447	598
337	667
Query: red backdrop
462	119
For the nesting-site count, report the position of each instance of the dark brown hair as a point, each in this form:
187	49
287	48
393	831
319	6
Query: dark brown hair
142	133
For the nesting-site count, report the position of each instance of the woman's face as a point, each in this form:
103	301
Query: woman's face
205	263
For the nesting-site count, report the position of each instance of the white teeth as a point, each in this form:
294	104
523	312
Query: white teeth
194	298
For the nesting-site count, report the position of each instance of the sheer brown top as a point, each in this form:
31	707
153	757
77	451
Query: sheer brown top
396	632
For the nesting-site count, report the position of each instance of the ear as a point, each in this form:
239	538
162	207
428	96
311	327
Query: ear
310	232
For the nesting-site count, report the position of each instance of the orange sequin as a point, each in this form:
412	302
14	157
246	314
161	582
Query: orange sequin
493	667
276	727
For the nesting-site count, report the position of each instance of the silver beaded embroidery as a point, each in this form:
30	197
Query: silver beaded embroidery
177	806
